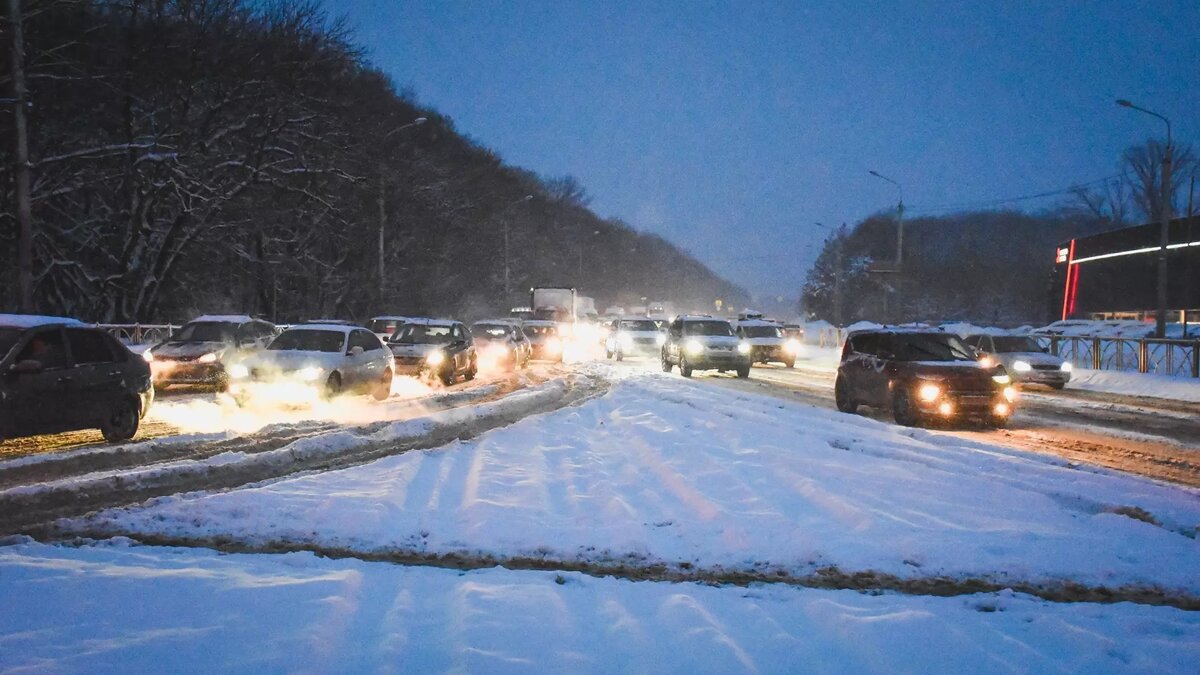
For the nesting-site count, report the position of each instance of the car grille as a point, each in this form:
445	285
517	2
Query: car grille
644	341
1045	367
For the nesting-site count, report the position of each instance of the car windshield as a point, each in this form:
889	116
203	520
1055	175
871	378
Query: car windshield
926	347
762	331
303	340
8	338
707	328
490	331
385	326
1016	343
206	331
639	326
417	334
540	331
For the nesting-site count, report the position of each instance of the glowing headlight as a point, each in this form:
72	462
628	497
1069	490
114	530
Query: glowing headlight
1010	394
1002	378
210	357
1002	409
694	347
237	371
662	339
743	348
435	358
929	392
553	344
625	338
1022	366
1066	367
792	346
148	356
310	373
986	362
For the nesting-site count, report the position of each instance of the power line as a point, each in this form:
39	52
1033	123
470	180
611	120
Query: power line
1011	200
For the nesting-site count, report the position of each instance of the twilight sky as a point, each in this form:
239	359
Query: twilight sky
730	127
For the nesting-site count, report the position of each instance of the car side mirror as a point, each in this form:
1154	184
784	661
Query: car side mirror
27	367
355	351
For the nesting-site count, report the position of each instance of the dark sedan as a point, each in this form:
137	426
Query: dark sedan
60	375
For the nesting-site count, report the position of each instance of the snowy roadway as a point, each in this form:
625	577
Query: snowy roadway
654	524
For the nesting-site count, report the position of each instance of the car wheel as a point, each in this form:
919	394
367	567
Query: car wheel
998	422
471	371
842	399
384	388
666	363
608	354
685	369
333	386
122	422
790	363
1058	385
447	376
743	372
620	356
902	409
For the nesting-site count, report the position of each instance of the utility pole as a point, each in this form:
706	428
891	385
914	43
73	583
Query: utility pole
899	245
21	182
1191	273
1160	313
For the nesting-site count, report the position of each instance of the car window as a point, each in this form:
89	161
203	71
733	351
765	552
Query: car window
422	334
89	346
206	331
364	339
761	332
9	337
721	328
865	344
304	340
46	347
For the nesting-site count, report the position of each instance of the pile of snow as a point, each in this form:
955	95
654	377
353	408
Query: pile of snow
667	470
113	608
1137	384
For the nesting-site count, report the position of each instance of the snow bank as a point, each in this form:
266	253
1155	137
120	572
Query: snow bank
664	469
132	609
1137	384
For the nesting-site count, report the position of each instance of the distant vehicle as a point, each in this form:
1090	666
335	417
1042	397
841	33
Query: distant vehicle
767	342
57	374
502	342
546	340
634	337
384	327
332	358
921	375
332	322
198	353
614	311
749	315
554	304
440	348
1026	361
585	308
660	310
794	334
698	342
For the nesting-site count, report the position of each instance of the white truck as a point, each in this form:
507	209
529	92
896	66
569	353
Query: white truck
556	304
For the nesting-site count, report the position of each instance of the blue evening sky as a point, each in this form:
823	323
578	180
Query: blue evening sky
730	127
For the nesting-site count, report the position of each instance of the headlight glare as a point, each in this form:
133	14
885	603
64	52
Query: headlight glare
435	358
148	356
1022	366
743	347
1002	378
237	371
694	347
1010	394
929	392
310	373
792	346
1066	367
210	357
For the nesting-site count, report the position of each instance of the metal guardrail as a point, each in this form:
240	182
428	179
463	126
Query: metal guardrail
1177	358
139	333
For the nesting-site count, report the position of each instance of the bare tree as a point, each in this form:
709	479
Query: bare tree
1143	164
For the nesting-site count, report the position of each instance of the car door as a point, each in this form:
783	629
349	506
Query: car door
99	379
861	369
360	361
458	348
45	401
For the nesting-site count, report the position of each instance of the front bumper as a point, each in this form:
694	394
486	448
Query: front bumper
769	353
713	359
963	404
640	348
411	365
1040	376
167	372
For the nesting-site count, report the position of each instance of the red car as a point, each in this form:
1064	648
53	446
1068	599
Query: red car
921	375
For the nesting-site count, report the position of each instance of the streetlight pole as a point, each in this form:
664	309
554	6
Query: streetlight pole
382	202
899	241
1160	314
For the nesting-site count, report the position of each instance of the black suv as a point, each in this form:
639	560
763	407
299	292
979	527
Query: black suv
198	352
704	343
921	375
60	375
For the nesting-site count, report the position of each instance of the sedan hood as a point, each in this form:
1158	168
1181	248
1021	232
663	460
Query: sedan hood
288	361
187	350
1032	358
410	351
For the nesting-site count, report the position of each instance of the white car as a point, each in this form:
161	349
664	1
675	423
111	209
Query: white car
767	342
634	337
387	326
1026	361
331	359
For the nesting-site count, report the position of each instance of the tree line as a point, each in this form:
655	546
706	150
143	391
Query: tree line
989	266
227	155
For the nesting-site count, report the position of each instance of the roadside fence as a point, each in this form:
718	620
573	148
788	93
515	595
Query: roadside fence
1177	358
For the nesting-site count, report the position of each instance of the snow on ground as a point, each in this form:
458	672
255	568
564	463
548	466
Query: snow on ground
113	608
666	469
1137	384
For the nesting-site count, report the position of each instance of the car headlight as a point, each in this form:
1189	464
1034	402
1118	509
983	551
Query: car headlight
662	339
210	357
1066	367
435	358
148	356
1022	366
310	373
694	347
792	346
1002	378
237	371
743	347
986	362
929	392
553	344
1010	394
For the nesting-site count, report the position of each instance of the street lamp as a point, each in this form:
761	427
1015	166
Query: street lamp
1160	318
504	220
899	245
382	202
